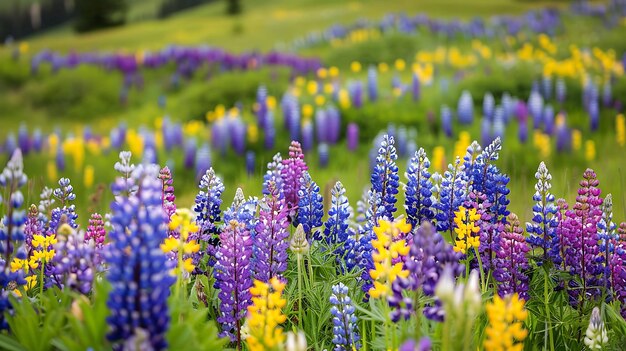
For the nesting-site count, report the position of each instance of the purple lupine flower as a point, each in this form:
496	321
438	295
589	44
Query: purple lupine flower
73	265
385	177
415	87
594	114
581	240
272	237
65	213
310	206
465	108
607	95
452	193
32	227
23	139
546	87
510	261
548	119
618	274
291	174
37	140
446	120
262	108
10	145
323	154
410	345
208	202
167	193
429	255
486	132
203	160
345	323
352	136
333	120
356	92
498	123
250	162
418	203
321	125
543	229
269	137
60	159
307	136
95	231
234	279
137	268
190	154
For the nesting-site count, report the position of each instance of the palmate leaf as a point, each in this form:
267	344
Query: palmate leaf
190	326
89	330
35	323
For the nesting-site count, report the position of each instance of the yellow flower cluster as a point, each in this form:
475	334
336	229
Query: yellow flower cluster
620	130
465	229
388	248
265	316
506	324
183	221
42	253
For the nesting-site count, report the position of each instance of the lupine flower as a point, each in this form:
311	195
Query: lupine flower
390	248
452	194
298	243
265	316
272	237
581	240
189	159
418	203
45	203
95	232
296	342
12	179
535	107
607	236
561	90
415	87
446	120
345	329
182	246
372	84
310	206
138	270
324	154
510	261
505	330
32	227
233	277
489	105
465	109
336	227
291	173
73	261
203	160
167	193
364	240
618	273
352	136
124	185
385	177
596	336
542	230
410	345
465	229
429	255
274	173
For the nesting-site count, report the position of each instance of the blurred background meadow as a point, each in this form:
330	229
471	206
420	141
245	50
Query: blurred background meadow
228	84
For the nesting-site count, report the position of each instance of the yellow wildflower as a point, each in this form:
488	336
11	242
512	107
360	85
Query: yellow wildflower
590	150
465	229
355	66
322	73
89	173
265	316
320	100
383	67
307	110
506	324
576	139
333	72
620	130
182	221
400	64
389	246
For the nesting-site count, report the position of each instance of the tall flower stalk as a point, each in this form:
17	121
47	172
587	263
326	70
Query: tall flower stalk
272	237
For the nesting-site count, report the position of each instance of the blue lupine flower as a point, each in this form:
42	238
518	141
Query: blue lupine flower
535	107
363	255
418	190
208	202
548	119
124	185
345	329
273	174
607	236
561	90
336	227
74	263
446	120
542	230
203	160
12	232
138	269
65	213
489	104
310	206
465	108
594	114
452	193
415	87
498	123
385	176
546	87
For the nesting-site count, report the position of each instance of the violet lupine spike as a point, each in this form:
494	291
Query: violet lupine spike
233	276
581	240
291	174
562	207
618	275
272	237
95	230
74	263
489	232
543	229
208	202
511	262
32	227
428	256
167	193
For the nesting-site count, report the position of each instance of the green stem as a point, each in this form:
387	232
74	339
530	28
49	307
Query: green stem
467	335
481	273
445	334
547	305
311	276
43	264
299	258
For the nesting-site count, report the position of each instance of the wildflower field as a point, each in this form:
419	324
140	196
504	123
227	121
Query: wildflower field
318	175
